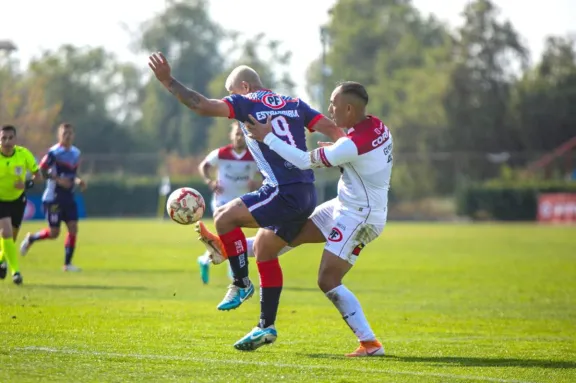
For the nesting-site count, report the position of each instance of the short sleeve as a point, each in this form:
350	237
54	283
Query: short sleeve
47	161
239	107
31	163
311	116
212	158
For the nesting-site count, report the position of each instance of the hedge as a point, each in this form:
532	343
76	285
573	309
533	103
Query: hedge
505	200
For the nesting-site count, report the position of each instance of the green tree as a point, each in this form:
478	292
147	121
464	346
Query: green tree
404	60
544	101
188	37
23	104
83	81
477	103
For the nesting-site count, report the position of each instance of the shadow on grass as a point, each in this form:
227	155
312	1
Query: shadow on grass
466	361
301	288
86	287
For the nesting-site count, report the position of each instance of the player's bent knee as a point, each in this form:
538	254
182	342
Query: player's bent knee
267	245
232	215
332	271
6	227
328	279
54	232
72	227
327	283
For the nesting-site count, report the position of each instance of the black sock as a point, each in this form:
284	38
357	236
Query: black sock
239	266
269	302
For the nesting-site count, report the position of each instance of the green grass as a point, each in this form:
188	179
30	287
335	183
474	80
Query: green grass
452	303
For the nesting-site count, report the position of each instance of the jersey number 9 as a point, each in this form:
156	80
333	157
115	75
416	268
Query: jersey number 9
282	129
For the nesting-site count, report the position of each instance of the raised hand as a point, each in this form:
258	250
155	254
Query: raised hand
258	130
160	66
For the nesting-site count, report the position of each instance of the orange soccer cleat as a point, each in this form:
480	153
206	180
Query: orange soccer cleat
368	348
213	244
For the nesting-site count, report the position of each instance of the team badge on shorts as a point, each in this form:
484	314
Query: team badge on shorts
335	235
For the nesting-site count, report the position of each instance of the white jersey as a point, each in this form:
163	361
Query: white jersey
235	170
365	159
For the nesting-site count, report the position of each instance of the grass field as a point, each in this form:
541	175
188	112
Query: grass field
452	303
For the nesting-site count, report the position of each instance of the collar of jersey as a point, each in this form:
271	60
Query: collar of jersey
362	125
11	155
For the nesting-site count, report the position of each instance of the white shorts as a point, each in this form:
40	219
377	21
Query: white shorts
346	233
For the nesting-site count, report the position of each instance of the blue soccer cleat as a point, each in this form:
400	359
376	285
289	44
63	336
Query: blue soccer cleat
204	266
256	338
235	297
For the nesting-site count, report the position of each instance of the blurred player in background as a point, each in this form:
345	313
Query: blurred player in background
280	208
357	216
60	168
15	162
235	176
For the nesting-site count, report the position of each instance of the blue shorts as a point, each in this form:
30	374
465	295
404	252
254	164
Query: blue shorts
60	211
283	209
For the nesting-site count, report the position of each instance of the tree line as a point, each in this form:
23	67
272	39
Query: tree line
466	90
469	91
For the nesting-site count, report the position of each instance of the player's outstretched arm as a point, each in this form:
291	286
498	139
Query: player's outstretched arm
337	154
329	128
192	99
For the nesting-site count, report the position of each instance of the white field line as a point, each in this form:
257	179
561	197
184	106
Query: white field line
34	349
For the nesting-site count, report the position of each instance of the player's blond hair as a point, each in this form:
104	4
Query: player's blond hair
243	73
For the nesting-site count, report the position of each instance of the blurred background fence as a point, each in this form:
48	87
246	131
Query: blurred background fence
433	186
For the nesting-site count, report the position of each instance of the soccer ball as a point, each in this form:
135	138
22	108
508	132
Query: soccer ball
185	206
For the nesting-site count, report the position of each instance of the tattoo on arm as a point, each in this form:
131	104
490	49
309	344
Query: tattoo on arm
186	96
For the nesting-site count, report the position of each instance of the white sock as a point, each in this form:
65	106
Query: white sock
205	258
250	244
349	306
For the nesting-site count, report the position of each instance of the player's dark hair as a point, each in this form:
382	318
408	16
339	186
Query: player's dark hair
9	128
355	89
66	125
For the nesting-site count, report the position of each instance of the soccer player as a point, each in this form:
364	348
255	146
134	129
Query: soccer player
15	161
60	168
280	207
235	176
357	216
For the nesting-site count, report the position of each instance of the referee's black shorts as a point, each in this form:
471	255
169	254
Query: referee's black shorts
14	209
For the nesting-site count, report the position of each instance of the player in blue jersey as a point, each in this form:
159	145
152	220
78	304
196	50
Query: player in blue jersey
279	208
59	167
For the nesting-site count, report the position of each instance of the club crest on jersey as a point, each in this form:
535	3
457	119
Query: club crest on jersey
273	101
18	170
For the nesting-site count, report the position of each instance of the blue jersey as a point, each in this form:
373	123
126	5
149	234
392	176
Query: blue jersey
64	163
290	117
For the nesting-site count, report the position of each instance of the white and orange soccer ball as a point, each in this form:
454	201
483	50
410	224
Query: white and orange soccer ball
185	206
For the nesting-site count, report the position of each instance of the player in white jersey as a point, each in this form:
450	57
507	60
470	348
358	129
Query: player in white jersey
358	215
236	173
